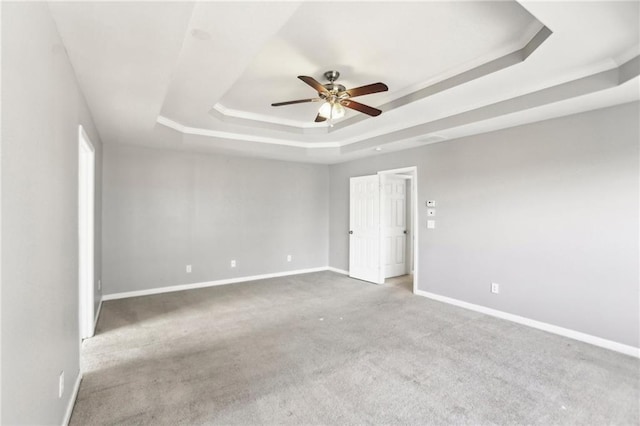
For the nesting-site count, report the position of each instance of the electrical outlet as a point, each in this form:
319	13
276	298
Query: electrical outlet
495	288
99	284
61	384
431	224
288	258
188	269
233	263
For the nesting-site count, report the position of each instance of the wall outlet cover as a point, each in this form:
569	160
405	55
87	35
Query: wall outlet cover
233	263
188	269
495	288
431	224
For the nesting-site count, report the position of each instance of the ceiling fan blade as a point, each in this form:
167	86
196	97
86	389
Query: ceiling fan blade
313	83
361	107
320	119
367	90
299	101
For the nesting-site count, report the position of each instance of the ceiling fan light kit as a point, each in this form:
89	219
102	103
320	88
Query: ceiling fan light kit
335	97
330	110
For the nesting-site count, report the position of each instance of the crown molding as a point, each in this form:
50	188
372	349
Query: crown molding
484	69
237	136
253	116
599	81
510	55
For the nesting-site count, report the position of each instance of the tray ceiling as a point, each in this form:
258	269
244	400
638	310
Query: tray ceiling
202	76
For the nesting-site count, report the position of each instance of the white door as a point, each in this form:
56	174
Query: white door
394	227
364	229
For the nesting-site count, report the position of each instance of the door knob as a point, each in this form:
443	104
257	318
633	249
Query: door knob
350	232
405	231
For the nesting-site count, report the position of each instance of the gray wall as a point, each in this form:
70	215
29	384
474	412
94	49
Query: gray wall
166	209
547	210
41	110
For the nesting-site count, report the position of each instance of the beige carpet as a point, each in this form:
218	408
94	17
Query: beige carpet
325	349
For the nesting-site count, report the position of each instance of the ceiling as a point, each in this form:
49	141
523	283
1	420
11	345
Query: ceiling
201	75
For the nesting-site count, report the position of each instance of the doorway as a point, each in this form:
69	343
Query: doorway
383	228
86	207
398	220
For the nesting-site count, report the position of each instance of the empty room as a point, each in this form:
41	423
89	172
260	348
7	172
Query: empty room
320	213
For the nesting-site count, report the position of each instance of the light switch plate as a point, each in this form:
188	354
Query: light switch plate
431	224
431	203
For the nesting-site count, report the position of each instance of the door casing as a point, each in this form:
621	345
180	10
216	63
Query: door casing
408	173
86	237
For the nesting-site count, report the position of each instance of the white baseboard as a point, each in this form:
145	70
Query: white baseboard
339	271
72	400
572	334
182	287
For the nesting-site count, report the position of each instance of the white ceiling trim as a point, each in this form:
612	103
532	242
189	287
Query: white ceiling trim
574	89
531	39
596	82
253	116
506	60
486	64
627	55
242	137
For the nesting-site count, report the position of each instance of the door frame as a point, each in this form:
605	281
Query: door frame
412	173
384	220
86	233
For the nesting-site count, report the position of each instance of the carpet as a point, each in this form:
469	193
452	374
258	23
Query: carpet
322	348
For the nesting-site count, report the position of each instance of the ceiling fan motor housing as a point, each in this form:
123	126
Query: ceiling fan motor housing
332	87
332	75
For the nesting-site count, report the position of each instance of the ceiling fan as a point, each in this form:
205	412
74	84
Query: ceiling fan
336	97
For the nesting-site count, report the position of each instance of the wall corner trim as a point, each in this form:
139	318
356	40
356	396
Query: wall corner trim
566	332
95	321
72	400
181	287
